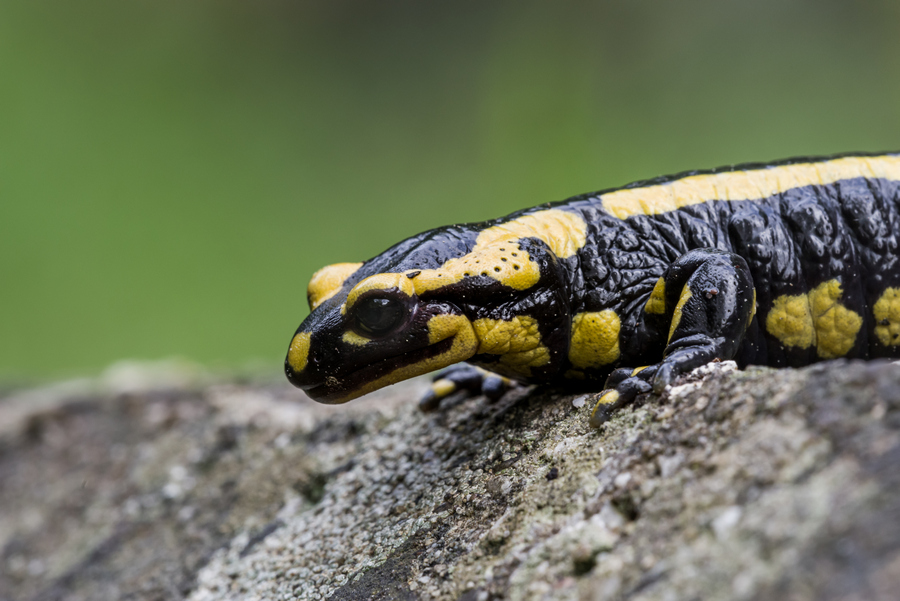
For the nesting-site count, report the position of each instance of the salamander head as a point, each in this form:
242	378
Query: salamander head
379	333
492	295
370	326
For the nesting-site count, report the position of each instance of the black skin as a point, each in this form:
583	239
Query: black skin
786	244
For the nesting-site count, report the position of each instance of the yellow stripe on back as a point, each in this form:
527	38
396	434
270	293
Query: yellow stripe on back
744	185
497	254
562	231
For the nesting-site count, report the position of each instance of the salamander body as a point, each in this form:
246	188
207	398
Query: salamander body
779	264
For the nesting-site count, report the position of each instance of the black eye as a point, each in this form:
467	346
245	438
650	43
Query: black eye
377	316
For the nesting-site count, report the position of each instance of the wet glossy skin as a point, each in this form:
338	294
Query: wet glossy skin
779	264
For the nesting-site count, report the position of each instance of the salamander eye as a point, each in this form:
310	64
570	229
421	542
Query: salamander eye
378	316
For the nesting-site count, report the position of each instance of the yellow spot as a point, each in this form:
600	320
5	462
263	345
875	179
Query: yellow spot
298	354
607	398
443	388
752	309
656	304
836	325
887	308
790	321
595	339
500	337
679	308
816	318
380	281
497	255
440	327
744	185
517	341
355	339
326	282
637	370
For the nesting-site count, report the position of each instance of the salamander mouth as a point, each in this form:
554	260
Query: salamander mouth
336	390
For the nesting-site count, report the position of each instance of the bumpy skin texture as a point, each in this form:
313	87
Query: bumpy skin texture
779	264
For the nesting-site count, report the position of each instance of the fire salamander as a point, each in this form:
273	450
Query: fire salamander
778	264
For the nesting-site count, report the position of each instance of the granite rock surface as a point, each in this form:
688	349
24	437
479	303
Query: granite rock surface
161	482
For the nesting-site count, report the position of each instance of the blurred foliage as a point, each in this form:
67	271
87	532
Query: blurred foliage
172	172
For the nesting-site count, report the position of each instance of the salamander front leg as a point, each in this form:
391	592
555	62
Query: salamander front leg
463	376
708	297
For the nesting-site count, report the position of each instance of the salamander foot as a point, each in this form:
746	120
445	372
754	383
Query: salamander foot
469	378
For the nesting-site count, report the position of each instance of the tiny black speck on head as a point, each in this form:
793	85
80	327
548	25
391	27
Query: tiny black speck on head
553	474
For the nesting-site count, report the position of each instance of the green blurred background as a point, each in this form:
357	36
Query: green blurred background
172	172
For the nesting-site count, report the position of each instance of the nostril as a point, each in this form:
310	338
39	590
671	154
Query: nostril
307	379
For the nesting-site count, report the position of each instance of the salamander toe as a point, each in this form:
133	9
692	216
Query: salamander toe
468	378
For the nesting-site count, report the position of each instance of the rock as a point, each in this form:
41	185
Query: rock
754	484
